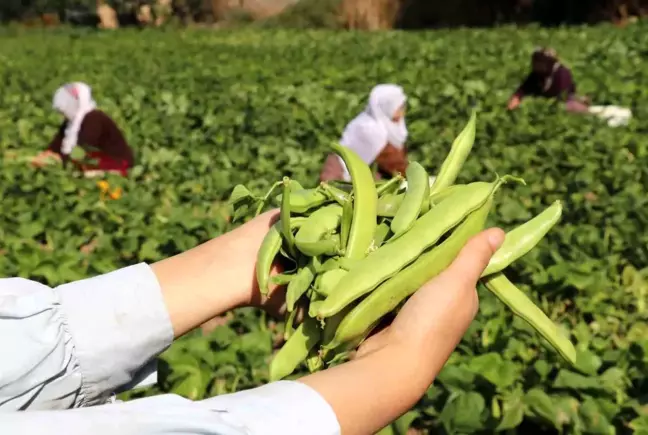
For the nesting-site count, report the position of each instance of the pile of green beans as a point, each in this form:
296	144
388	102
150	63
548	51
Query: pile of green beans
353	253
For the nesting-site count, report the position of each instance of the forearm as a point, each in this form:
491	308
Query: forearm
212	278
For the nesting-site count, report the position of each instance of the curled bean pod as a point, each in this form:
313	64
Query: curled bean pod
392	292
417	194
298	286
295	350
523	307
365	201
390	258
270	247
457	156
522	239
316	236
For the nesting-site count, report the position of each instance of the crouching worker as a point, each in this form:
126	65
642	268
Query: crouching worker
90	128
377	135
549	78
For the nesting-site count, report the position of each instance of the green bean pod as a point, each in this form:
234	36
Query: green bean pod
314	362
436	198
285	219
303	200
347	220
522	239
390	186
418	191
270	247
390	258
392	292
523	307
290	321
282	278
298	286
328	280
388	204
335	194
311	237
295	350
457	156
328	246
365	201
380	235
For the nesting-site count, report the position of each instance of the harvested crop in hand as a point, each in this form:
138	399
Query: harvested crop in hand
356	252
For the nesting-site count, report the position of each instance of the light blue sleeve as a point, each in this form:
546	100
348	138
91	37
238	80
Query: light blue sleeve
279	408
72	346
76	344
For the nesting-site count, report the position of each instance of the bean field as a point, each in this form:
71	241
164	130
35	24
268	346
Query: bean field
207	110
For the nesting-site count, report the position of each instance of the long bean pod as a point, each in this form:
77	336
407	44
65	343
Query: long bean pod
457	156
365	200
523	307
522	239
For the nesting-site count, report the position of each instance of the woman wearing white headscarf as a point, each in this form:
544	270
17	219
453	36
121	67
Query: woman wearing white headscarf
90	128
377	135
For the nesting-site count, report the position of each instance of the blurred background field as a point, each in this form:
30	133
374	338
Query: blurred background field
206	109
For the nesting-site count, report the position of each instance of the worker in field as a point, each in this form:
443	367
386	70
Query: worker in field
549	79
378	135
90	128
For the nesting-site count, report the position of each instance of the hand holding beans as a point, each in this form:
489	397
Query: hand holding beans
360	251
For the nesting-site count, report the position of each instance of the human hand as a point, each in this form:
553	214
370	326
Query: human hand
41	158
392	370
514	102
217	276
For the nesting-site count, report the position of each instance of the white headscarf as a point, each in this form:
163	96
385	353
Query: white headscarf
74	101
370	132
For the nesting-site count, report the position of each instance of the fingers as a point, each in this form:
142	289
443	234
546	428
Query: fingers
466	269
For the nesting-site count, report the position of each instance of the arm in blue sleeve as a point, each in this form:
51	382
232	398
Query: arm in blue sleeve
74	345
280	408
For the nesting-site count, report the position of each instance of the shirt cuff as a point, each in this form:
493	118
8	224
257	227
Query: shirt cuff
283	407
118	323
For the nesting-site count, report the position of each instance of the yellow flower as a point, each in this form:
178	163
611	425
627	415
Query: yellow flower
103	186
116	194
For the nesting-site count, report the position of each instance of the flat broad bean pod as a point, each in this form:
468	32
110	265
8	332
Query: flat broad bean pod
522	239
335	194
523	307
416	196
458	153
365	200
268	251
299	285
390	258
303	200
324	221
295	350
392	292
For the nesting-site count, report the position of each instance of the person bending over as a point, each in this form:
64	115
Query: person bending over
90	128
377	135
549	79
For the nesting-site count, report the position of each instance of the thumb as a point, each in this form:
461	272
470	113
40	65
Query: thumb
473	258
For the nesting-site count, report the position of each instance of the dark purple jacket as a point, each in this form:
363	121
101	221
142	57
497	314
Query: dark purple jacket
561	86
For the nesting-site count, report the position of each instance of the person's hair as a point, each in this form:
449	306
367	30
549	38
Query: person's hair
544	53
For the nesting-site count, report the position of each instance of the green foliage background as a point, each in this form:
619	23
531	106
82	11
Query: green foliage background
207	110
